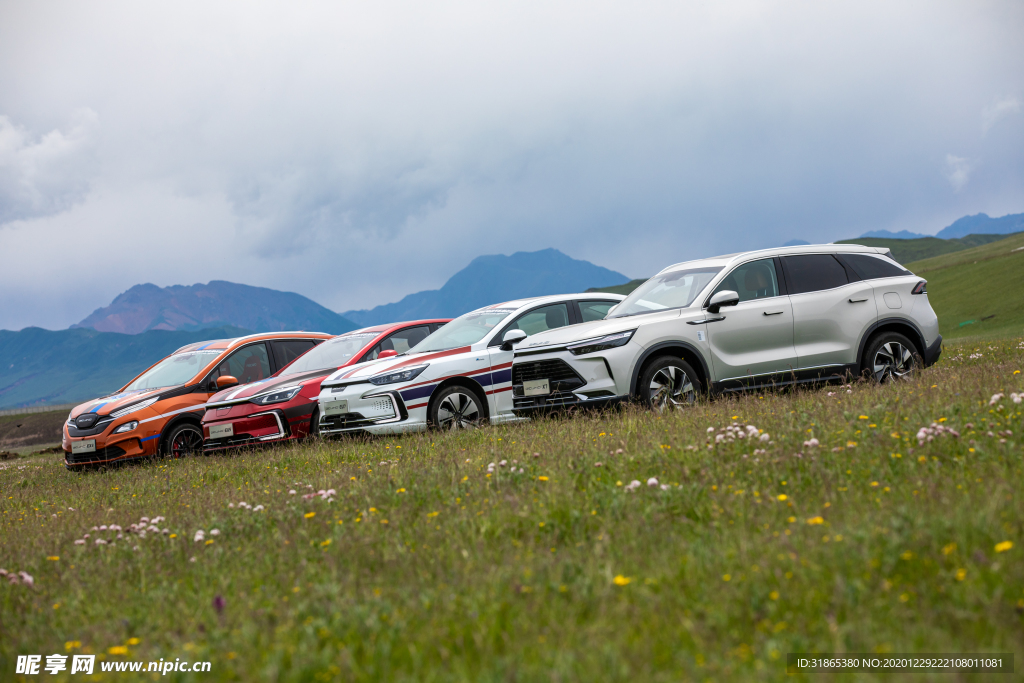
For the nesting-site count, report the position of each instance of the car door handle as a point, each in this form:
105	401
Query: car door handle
773	312
705	320
857	301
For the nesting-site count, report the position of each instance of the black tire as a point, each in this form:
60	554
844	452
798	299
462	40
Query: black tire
669	383
890	357
185	439
314	424
457	408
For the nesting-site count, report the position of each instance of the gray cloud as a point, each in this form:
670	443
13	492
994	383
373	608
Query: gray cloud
356	154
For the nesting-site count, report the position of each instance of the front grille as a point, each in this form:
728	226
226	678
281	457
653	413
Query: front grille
99	455
97	428
552	370
334	423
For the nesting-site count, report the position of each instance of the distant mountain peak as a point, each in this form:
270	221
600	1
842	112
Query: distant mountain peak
889	235
193	307
982	224
495	278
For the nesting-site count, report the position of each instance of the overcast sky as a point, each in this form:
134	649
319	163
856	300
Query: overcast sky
357	152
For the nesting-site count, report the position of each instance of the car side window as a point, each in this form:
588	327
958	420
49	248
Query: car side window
870	267
753	280
248	364
287	350
400	341
814	273
595	310
537	320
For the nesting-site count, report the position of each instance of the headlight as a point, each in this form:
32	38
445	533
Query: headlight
601	343
277	396
127	427
135	406
404	375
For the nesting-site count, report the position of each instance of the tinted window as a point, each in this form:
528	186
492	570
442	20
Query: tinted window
400	341
754	280
247	364
869	267
813	273
287	351
595	310
542	319
332	354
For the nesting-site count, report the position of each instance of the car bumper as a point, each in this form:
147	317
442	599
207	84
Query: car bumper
574	381
932	353
358	409
106	453
246	430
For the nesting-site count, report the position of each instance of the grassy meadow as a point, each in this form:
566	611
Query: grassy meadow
827	526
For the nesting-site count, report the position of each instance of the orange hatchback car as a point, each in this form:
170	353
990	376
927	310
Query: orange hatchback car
159	412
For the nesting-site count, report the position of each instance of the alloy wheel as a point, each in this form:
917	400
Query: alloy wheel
893	361
186	442
458	411
671	388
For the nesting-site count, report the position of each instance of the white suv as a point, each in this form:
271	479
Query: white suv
741	321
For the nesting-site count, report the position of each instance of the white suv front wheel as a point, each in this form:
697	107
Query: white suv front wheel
669	383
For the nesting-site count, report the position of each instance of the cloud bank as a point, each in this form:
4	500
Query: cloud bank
356	154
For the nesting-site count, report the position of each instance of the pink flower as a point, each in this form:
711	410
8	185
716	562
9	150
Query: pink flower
652	482
26	578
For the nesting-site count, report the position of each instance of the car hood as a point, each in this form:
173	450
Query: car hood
108	404
247	391
363	371
596	328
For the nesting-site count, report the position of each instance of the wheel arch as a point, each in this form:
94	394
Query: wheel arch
464	382
899	325
688	352
175	421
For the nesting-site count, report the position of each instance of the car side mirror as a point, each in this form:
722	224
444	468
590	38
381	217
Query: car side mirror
511	338
726	297
225	381
388	353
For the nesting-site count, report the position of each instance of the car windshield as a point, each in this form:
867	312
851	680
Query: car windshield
463	331
174	370
333	353
676	289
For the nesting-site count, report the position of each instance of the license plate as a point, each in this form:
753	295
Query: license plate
536	387
339	407
87	446
222	431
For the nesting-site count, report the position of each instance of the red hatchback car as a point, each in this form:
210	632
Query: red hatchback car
284	406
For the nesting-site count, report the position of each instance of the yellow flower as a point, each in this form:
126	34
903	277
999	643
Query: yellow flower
133	641
433	514
400	491
851	444
352	478
961	574
816	520
53	558
774	595
541	524
791	519
1016	372
726	577
118	650
874	483
907	555
174	536
72	644
383	521
208	542
542	478
1004	546
783	496
310	515
621	580
864	417
325	543
946	550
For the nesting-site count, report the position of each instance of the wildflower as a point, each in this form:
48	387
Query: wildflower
782	496
765	437
100	541
995	399
621	580
542	478
80	541
946	550
258	508
598	464
215	532
711	430
291	492
726	577
665	487
812	443
400	491
961	574
218	604
309	515
1004	546
27	579
652	482
774	595
816	520
192	559
633	485
118	650
503	463
53	558
199	536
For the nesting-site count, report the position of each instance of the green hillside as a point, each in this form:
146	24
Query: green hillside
978	291
906	251
46	367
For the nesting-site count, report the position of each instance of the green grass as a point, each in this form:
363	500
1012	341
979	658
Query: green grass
424	568
978	292
906	251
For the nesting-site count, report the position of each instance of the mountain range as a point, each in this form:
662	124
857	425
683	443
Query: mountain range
195	307
493	279
978	224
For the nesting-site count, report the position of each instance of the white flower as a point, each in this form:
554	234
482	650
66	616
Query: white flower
200	535
812	443
80	541
215	532
100	541
633	485
231	505
257	508
598	464
995	399
143	519
291	492
652	482
191	559
711	430
26	578
765	436
503	463
165	531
